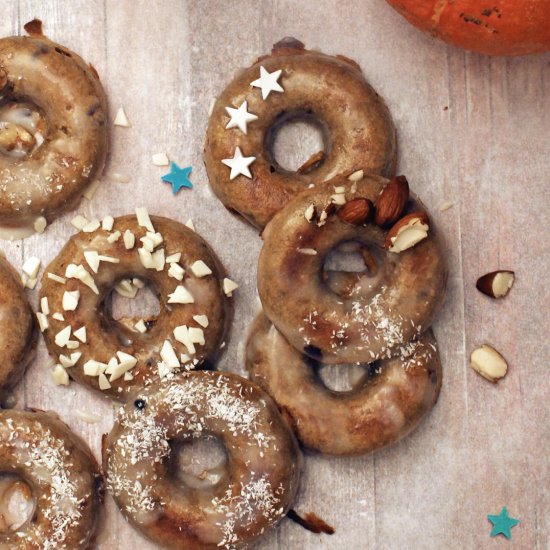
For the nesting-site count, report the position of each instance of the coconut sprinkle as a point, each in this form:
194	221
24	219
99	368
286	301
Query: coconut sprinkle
195	403
48	458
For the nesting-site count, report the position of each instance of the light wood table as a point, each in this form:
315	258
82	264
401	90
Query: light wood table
473	130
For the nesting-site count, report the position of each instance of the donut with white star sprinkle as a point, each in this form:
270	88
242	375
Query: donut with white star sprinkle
293	84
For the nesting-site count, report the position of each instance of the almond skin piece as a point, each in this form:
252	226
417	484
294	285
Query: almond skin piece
34	27
496	284
356	211
489	363
392	201
416	224
312	162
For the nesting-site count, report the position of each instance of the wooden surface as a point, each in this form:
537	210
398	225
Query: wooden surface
472	130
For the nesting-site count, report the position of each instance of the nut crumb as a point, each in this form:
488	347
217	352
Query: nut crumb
121	119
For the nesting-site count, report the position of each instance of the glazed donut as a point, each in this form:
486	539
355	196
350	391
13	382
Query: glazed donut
357	127
386	405
391	308
17	329
118	356
262	467
59	478
53	132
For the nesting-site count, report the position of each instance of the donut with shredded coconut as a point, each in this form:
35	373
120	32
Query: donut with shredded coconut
387	403
262	467
53	129
300	84
58	482
123	255
376	315
17	329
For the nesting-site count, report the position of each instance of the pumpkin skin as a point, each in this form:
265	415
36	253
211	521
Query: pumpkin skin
494	27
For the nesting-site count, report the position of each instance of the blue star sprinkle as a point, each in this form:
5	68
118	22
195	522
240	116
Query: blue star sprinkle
178	177
502	524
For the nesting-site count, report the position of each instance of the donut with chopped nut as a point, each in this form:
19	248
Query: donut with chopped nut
17	329
377	314
387	403
260	477
53	129
122	255
50	473
291	84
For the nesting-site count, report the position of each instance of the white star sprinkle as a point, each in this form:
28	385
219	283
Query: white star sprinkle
268	82
239	164
240	117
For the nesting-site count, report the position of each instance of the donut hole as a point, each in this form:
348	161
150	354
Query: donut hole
8	400
198	463
297	142
17	502
133	300
352	269
346	378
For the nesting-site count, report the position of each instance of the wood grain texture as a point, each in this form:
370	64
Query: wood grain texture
473	130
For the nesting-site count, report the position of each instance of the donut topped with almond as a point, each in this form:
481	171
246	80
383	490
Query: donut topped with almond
53	130
338	316
123	255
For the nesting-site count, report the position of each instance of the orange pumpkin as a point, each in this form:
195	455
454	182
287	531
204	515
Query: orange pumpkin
495	27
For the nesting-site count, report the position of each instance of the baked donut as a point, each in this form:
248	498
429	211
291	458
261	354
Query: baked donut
261	473
53	132
298	84
363	325
118	356
17	329
387	403
56	478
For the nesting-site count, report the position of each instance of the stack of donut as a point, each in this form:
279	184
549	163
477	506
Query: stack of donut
338	200
161	367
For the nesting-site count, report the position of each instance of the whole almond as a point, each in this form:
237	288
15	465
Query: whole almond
392	201
356	211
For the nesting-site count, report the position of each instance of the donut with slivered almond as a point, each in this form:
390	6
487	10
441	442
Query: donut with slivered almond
124	255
